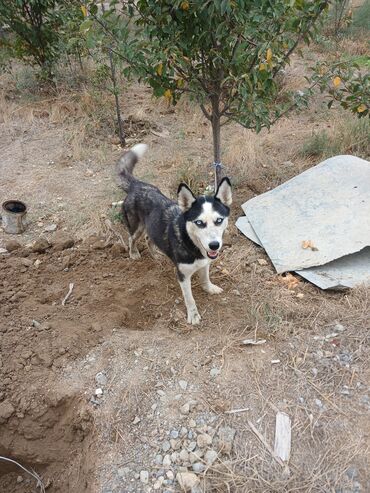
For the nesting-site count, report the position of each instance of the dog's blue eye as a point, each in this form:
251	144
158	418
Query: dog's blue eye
219	220
200	224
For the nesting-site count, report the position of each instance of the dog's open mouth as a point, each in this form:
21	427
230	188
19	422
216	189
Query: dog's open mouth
212	254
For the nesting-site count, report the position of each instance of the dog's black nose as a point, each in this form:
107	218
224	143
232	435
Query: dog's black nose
214	245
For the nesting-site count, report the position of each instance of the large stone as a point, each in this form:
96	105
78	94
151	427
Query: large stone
6	410
187	480
40	245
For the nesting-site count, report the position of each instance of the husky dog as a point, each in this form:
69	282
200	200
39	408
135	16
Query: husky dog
188	232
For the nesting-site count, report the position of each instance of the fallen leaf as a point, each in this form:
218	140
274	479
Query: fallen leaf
184	5
361	108
337	81
262	67
290	281
269	55
309	244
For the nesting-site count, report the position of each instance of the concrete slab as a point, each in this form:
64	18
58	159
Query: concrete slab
328	205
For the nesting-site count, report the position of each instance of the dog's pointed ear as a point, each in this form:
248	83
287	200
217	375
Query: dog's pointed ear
223	192
185	197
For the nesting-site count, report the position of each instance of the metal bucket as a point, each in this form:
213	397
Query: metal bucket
13	215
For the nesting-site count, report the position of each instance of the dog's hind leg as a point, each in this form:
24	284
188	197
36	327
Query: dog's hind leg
206	283
132	242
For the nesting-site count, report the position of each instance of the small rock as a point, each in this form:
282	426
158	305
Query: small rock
214	372
6	411
198	467
170	475
37	263
183	431
50	228
40	245
26	262
184	455
101	379
225	439
136	420
117	250
192	423
19	479
161	392
166	446
187	480
192	446
185	409
175	444
174	434
123	472
98	392
352	473
11	246
35	324
204	440
319	403
167	461
183	384
144	477
3	250
262	261
158	459
63	243
210	456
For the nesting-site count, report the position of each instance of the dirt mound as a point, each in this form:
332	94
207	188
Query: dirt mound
44	423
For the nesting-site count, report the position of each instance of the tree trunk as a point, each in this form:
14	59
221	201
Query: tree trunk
115	90
216	132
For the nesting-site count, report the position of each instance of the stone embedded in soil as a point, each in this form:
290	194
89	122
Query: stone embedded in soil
63	243
144	477
167	461
225	438
101	379
136	420
6	411
187	480
184	455
158	459
183	384
204	440
198	467
12	245
40	245
174	434
166	446
210	456
185	409
50	228
117	250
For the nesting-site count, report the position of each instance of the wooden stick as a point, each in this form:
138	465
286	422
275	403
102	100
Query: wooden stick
71	285
264	442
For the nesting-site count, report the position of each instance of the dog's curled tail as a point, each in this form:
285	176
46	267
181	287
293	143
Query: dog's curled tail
126	164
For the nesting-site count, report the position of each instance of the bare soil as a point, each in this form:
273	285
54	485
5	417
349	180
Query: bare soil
126	319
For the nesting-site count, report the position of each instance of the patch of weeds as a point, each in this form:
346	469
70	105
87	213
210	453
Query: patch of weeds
352	137
195	178
115	214
361	19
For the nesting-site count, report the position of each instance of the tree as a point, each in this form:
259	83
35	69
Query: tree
227	54
36	29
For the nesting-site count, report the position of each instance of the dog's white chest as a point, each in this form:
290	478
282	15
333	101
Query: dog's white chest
189	269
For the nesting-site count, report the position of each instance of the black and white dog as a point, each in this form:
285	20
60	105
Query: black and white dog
188	232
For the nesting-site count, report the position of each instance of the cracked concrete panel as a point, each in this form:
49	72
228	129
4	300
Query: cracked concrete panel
328	205
346	272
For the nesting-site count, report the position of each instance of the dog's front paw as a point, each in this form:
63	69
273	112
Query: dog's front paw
213	289
194	317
